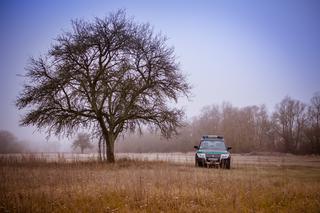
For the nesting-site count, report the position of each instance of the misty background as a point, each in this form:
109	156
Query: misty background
245	53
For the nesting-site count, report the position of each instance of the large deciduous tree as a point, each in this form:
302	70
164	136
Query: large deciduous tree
111	75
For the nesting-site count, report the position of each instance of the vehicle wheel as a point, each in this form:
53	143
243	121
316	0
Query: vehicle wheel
227	164
199	164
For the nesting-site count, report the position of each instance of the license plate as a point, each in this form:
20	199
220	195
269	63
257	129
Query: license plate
213	159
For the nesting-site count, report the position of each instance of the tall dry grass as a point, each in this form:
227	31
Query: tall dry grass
34	185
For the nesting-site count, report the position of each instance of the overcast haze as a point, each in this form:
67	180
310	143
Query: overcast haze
243	52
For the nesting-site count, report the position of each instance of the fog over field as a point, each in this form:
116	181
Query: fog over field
160	106
245	53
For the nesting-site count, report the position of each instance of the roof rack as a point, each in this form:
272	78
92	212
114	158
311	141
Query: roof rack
212	137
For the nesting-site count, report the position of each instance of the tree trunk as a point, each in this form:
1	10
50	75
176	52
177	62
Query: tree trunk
103	149
110	148
99	149
109	138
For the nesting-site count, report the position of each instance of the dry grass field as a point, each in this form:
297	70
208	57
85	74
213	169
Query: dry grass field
29	184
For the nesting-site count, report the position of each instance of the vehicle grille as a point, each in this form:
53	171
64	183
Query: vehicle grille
213	155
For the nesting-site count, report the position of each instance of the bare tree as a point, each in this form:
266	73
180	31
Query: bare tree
290	119
9	143
82	142
312	129
265	136
111	74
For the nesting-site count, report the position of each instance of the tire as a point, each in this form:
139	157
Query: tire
198	164
225	164
228	162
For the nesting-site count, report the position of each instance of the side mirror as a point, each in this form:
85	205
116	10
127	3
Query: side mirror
196	147
229	147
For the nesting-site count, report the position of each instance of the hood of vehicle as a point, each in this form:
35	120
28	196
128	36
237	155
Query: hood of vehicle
212	151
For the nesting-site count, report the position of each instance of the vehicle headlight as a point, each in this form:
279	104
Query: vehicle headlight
201	155
224	156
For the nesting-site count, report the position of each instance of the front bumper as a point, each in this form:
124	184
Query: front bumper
209	161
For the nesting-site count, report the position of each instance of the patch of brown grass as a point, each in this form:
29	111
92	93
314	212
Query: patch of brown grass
34	185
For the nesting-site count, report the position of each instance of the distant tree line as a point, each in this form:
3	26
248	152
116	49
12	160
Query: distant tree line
292	127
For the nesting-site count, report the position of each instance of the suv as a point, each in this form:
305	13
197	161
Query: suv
212	151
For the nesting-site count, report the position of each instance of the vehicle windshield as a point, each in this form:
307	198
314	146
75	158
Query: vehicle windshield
213	144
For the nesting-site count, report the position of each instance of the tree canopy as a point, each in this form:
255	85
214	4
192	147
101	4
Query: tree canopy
109	75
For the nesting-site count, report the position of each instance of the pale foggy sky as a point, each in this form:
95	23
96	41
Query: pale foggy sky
243	52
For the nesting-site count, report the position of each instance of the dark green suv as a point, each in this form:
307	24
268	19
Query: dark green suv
212	151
